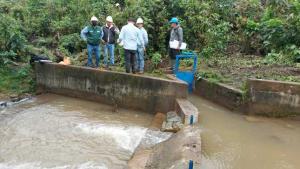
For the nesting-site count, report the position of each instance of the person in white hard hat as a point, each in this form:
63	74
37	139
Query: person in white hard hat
142	47
109	38
93	34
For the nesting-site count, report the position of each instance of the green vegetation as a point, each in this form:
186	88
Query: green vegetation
14	82
235	39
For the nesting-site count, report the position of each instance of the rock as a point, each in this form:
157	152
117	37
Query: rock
167	127
173	117
176	152
173	123
3	104
157	121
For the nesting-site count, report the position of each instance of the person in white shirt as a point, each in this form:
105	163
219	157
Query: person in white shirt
141	49
131	37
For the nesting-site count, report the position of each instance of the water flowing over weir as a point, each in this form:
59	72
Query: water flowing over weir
59	132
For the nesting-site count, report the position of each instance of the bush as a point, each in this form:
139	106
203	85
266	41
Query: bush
156	59
72	43
209	26
12	40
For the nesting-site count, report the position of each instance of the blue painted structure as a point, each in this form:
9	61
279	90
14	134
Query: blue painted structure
191	164
187	75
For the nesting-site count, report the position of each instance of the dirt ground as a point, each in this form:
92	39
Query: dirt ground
235	70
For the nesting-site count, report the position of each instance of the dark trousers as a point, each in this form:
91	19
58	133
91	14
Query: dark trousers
172	54
130	60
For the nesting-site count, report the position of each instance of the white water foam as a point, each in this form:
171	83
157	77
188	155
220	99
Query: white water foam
127	137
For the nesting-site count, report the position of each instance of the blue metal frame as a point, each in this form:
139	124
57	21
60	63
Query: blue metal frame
187	76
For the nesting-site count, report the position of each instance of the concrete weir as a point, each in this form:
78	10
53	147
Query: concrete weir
136	92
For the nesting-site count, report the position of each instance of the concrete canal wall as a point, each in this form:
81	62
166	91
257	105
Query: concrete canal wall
125	90
219	93
261	97
273	98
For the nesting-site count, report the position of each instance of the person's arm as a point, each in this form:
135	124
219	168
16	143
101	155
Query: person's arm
140	38
121	36
117	31
180	36
102	36
146	37
83	33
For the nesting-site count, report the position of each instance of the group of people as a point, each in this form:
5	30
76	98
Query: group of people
132	37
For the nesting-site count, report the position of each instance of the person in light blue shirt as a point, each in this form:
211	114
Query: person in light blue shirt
141	48
130	37
93	34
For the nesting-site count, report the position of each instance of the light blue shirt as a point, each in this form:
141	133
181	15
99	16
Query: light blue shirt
144	35
131	37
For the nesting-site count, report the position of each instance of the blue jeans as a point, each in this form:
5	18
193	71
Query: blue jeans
109	48
91	49
140	59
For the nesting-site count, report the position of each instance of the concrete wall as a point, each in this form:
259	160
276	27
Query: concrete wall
273	98
125	90
264	97
221	94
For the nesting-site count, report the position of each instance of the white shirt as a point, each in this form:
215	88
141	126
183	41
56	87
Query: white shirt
131	37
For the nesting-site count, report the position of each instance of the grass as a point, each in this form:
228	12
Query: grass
16	80
236	69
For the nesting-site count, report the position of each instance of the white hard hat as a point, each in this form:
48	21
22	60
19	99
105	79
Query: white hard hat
139	20
94	18
109	19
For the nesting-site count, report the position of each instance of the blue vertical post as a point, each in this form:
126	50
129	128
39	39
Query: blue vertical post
192	120
191	164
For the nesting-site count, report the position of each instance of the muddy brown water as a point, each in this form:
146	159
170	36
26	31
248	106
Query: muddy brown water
234	141
56	132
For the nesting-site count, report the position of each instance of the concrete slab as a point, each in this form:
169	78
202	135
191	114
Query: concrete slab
187	111
176	152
